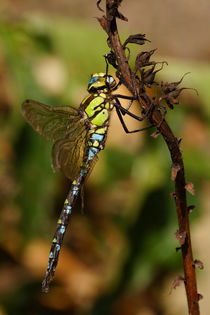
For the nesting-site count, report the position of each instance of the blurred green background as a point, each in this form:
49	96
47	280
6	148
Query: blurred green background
119	255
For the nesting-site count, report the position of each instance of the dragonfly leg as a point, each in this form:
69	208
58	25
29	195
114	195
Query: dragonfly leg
129	105
135	92
125	97
124	111
107	66
131	98
124	124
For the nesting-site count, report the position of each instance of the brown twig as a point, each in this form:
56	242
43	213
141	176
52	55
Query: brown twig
136	87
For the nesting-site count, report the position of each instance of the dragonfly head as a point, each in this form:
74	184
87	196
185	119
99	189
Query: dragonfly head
101	81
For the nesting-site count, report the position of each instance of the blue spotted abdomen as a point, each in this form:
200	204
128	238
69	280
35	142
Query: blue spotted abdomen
96	142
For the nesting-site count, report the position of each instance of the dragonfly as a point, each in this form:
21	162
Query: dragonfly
78	135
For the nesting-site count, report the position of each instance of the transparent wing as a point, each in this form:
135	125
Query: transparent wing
68	153
52	122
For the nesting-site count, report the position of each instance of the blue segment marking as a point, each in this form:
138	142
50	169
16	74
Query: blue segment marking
75	190
58	247
92	152
51	255
98	137
83	172
68	209
62	229
94	79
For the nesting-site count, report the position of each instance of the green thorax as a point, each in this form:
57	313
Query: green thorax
96	108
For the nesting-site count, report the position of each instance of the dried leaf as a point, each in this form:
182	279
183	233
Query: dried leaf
181	236
174	170
198	264
103	23
190	188
138	39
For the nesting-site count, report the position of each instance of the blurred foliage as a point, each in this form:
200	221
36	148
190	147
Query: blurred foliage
117	255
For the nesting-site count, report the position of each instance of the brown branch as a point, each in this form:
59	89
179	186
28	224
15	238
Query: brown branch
128	78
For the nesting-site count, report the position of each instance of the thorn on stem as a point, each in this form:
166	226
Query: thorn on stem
155	134
173	195
179	140
177	282
175	169
199	264
190	188
190	208
200	296
181	236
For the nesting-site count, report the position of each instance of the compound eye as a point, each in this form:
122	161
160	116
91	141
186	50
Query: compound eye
109	80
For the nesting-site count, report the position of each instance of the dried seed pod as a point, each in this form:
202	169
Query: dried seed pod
169	87
148	76
171	97
143	58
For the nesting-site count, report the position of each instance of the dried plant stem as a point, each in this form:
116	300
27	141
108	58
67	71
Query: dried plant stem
127	77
